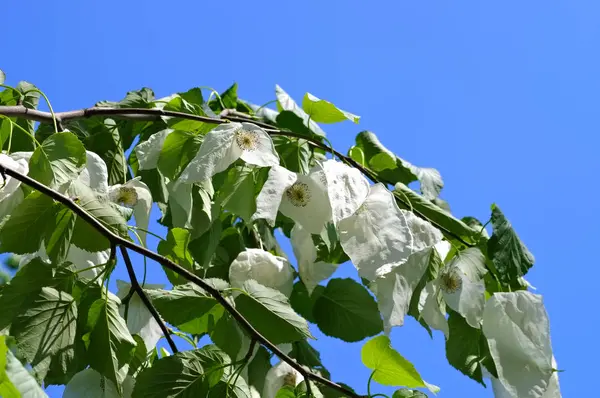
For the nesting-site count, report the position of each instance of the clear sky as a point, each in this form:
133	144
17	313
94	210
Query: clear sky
500	97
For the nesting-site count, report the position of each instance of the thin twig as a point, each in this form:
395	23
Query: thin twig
140	292
118	240
144	114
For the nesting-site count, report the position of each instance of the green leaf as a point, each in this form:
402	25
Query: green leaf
24	230
46	329
393	169
306	355
258	368
229	97
22	290
182	304
185	374
391	368
271	314
290	121
6	129
175	248
30	99
510	256
7	388
302	302
84	235
286	103
178	150
110	345
142	98
237	194
466	348
139	355
229	337
106	142
59	233
178	104
58	160
383	161
322	111
294	154
286	392
21	380
347	311
408	393
433	213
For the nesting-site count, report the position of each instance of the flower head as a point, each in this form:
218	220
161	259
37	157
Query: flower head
303	198
136	195
278	376
268	270
227	143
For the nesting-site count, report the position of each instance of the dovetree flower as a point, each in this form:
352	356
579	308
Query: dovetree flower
268	270
278	376
394	290
10	188
227	143
459	286
517	330
311	271
139	320
303	198
91	384
135	195
380	236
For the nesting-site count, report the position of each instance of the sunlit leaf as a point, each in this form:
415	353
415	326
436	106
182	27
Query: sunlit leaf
322	111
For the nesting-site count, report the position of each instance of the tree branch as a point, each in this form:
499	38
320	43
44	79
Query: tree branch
124	243
140	292
145	114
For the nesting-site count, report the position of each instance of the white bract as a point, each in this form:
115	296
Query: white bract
268	270
518	333
381	236
148	152
278	376
95	173
553	390
90	384
10	188
394	289
347	189
432	309
227	143
303	198
139	320
462	285
311	271
135	195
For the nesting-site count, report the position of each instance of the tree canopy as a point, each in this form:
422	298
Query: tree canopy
226	174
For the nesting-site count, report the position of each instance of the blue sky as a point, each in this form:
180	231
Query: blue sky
500	97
